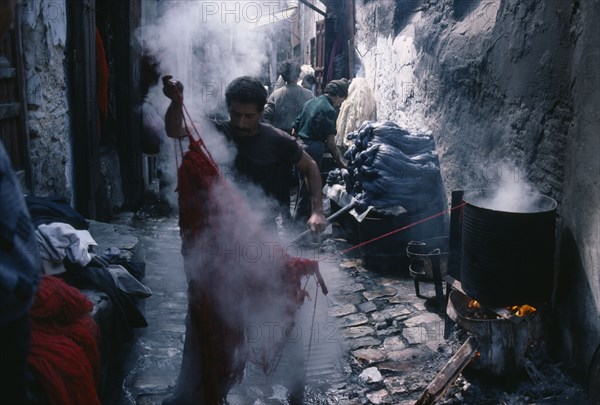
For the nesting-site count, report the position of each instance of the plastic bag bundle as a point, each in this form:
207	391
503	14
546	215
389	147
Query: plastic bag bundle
337	176
392	134
390	166
392	178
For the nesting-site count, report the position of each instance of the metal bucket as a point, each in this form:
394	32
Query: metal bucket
502	343
425	255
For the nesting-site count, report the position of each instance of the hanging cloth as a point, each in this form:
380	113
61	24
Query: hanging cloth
101	76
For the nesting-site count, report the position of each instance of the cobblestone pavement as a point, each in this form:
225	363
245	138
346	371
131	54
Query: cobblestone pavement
372	340
153	363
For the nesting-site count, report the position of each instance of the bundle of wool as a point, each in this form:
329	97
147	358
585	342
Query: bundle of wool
359	106
63	353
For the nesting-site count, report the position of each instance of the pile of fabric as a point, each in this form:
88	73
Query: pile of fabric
390	166
64	347
359	106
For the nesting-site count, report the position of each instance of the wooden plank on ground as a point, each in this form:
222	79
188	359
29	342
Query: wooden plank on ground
436	388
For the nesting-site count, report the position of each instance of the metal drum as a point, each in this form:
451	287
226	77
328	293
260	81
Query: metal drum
507	254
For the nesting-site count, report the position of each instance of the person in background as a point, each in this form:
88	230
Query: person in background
309	82
19	267
307	71
315	126
279	83
283	105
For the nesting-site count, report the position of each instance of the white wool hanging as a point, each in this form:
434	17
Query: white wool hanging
360	106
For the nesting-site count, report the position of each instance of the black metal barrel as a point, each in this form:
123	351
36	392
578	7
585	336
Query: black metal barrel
384	255
507	257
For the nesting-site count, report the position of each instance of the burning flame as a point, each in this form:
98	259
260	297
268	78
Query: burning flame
522	310
518	310
473	304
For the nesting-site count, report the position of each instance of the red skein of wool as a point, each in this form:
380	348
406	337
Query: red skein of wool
195	178
63	352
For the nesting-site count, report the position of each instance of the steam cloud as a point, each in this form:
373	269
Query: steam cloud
510	193
206	44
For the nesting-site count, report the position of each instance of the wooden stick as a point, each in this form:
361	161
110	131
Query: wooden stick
500	311
436	388
329	219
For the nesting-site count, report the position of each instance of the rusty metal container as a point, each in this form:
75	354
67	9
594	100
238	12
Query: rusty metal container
502	343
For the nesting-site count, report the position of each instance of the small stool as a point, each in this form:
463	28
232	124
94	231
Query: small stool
429	261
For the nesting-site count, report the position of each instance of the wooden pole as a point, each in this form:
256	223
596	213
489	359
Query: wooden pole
436	388
329	219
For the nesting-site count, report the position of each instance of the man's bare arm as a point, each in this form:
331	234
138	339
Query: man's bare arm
317	221
173	120
174	116
335	152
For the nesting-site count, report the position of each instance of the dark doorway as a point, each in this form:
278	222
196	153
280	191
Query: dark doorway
13	108
105	98
81	22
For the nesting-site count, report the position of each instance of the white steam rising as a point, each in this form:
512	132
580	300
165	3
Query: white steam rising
509	192
204	45
235	258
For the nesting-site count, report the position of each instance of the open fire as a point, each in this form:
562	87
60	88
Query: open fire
522	310
478	312
503	334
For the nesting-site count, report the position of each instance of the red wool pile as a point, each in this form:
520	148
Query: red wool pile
63	353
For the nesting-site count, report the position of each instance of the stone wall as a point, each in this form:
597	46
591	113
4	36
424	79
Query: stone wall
578	296
44	32
306	21
509	89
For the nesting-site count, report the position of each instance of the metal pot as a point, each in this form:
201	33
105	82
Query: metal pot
507	257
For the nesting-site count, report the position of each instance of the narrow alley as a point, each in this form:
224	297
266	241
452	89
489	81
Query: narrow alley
153	363
373	339
286	202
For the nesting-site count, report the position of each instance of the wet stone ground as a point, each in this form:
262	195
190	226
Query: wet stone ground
372	340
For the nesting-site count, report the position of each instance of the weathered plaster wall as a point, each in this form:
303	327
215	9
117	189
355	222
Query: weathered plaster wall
307	19
579	281
44	31
504	81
